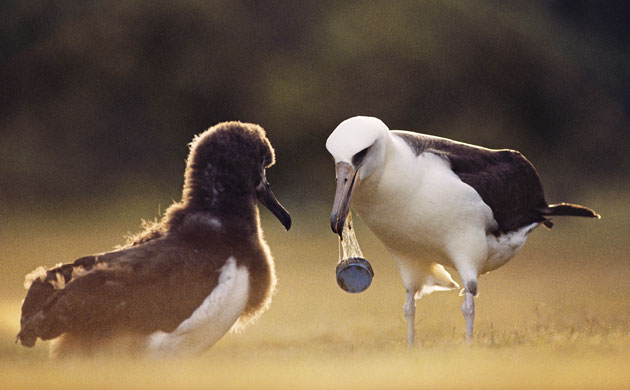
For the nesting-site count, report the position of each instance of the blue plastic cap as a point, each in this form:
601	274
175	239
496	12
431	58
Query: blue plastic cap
354	275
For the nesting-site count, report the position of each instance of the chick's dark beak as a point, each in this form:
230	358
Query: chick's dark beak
347	180
266	197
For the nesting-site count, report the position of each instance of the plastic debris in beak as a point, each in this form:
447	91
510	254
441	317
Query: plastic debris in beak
354	272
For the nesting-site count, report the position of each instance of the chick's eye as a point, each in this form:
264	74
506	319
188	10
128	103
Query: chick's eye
260	175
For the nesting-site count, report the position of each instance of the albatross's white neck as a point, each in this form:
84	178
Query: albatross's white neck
390	175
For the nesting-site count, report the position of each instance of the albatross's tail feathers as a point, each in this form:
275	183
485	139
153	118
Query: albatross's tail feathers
569	209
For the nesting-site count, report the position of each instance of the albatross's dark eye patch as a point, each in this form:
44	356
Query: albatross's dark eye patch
359	157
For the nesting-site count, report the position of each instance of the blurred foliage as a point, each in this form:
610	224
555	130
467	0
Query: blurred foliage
98	95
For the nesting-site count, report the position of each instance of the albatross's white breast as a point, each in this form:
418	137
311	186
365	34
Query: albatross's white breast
212	319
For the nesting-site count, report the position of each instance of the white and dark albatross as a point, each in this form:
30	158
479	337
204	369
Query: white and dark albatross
434	202
181	284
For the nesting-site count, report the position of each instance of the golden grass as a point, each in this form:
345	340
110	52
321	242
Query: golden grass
557	316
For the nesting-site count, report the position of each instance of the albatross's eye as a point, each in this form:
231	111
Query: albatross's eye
359	157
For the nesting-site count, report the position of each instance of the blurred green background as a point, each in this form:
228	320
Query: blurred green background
101	98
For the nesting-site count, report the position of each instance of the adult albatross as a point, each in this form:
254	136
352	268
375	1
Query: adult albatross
435	202
181	284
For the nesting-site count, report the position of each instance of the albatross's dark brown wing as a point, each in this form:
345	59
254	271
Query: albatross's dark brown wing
144	288
505	179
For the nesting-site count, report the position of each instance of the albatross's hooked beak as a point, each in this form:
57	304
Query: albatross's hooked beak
266	197
347	180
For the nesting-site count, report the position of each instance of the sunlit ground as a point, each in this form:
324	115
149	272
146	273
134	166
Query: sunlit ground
558	315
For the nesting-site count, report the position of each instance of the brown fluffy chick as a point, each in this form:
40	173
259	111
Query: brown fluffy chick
181	284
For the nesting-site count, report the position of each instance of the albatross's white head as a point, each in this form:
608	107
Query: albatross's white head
358	147
359	141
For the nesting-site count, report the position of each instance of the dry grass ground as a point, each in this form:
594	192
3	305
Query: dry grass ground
557	316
